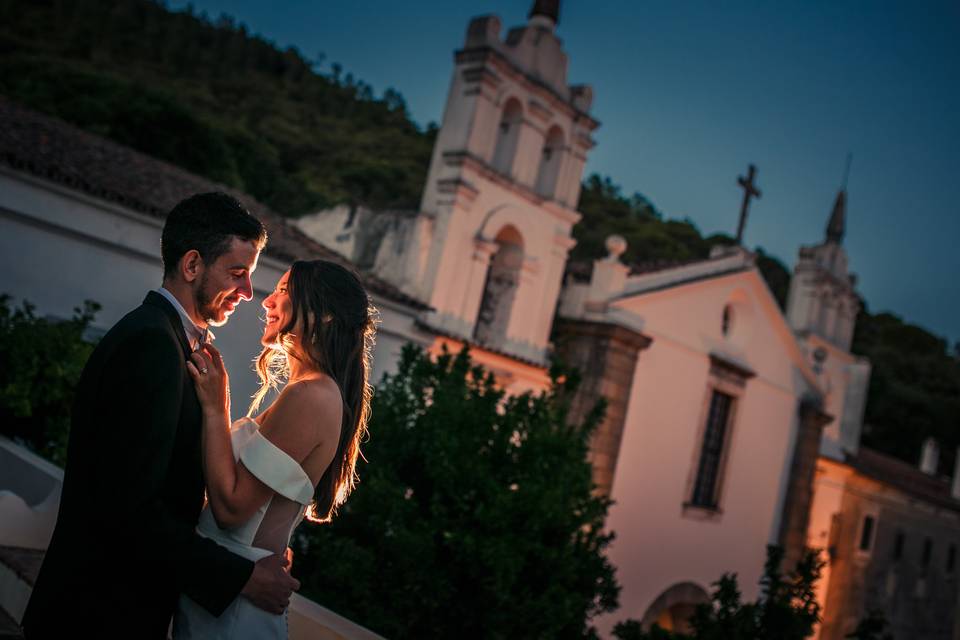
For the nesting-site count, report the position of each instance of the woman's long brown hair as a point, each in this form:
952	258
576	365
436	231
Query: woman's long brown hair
338	320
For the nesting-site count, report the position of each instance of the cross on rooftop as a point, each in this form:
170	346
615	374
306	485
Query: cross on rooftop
749	191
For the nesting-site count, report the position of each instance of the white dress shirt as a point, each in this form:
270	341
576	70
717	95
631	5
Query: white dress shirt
194	333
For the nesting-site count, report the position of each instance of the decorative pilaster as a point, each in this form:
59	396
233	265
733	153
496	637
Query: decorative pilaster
606	356
796	505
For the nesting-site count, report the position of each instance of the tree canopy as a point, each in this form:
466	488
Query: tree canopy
474	517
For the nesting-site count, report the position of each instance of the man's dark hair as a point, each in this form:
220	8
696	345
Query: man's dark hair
207	222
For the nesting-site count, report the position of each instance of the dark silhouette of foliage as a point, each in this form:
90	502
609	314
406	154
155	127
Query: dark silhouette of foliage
914	388
43	360
786	609
474	518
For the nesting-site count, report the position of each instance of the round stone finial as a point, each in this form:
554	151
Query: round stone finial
616	245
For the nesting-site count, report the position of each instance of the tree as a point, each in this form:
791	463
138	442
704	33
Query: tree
42	360
475	515
914	381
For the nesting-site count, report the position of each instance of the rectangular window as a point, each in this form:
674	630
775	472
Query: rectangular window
951	558
714	438
866	533
927	552
898	546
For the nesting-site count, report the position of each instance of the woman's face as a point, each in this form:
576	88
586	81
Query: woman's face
279	310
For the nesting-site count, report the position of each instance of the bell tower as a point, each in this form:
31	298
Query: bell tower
504	179
822	299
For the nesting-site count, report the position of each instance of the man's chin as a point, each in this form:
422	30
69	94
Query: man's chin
219	319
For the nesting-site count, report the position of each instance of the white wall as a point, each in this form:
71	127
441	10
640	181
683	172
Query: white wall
59	247
660	543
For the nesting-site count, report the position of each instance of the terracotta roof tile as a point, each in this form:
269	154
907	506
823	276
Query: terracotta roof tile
904	476
52	149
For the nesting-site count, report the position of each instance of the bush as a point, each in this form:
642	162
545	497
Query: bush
475	516
42	360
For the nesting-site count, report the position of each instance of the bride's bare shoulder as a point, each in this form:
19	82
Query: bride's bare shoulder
305	414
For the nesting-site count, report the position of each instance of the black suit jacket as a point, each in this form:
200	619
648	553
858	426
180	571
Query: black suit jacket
125	545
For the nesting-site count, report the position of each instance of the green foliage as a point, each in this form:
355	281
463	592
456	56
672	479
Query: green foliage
42	360
214	99
787	608
649	238
914	388
776	275
474	517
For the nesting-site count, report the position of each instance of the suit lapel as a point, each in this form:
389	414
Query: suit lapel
154	299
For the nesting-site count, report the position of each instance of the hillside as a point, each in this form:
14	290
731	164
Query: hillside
222	103
233	107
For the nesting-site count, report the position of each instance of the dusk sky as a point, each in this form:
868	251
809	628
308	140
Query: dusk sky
689	93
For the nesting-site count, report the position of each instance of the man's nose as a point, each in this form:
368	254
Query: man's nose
246	289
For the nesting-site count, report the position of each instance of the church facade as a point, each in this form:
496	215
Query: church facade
706	473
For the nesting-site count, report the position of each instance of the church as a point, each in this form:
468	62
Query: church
726	415
731	424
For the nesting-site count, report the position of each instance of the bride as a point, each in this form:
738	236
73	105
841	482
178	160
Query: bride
297	458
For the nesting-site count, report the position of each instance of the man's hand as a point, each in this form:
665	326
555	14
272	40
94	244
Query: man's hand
271	584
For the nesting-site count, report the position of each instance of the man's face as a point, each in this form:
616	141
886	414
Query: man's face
226	282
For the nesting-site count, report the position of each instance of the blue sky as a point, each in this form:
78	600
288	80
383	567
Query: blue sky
690	92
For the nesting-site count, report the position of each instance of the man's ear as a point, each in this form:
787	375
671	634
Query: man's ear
191	265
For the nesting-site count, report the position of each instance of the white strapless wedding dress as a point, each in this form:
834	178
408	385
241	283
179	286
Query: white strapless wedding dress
266	533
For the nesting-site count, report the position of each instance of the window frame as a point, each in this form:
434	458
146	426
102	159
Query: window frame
873	513
729	379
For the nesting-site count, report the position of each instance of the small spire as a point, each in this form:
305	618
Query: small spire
547	8
837	224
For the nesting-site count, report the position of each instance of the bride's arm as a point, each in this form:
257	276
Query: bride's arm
296	425
219	466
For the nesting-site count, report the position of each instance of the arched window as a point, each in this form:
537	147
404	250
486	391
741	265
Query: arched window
550	163
500	288
507	135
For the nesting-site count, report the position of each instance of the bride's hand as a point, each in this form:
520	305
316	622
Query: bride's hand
210	379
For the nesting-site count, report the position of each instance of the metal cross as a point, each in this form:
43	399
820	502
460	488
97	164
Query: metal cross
749	191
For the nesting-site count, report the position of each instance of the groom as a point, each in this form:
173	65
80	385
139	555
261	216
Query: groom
125	545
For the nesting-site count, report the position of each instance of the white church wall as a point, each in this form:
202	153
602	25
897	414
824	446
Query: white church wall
453	134
660	541
329	228
845	379
457	289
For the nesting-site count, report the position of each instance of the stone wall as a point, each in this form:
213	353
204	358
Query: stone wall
606	356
